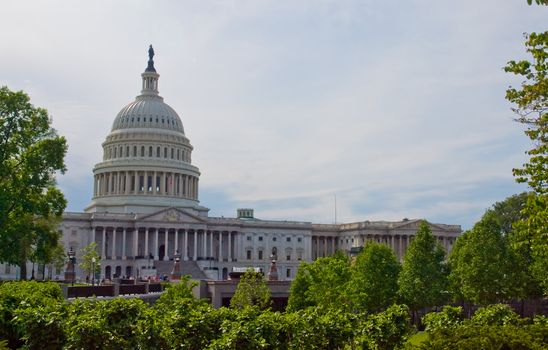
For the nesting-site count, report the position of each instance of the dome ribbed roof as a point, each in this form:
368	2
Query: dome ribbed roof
148	112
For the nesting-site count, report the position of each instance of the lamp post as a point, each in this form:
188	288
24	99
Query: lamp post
70	273
93	261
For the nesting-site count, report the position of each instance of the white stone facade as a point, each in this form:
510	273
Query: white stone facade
145	210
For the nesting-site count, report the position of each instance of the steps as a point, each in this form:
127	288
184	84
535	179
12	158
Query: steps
187	268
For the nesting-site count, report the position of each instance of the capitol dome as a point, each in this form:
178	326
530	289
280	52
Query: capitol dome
147	161
148	112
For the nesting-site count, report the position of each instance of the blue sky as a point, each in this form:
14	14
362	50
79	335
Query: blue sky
396	109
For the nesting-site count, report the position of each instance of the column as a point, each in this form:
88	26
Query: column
154	184
92	238
392	242
146	243
114	243
103	243
324	246
220	245
135	242
166	256
195	256
127	184
95	186
400	253
333	239
163	189
124	244
211	243
204	242
176	233
156	244
186	246
230	246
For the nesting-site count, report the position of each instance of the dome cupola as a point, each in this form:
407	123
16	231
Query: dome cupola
147	160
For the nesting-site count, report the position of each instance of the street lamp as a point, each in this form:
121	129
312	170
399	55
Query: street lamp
93	261
70	273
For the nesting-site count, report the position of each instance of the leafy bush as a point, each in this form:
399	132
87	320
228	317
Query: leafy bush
41	327
113	324
385	330
495	315
469	336
444	321
252	329
316	328
24	294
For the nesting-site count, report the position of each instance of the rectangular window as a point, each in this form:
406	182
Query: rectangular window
288	239
260	238
299	239
249	238
260	255
248	254
288	257
288	273
273	239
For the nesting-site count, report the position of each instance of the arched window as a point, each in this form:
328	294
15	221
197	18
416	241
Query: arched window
158	152
150	151
165	152
142	151
135	151
172	153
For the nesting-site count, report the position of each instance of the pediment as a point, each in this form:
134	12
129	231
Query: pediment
415	224
172	215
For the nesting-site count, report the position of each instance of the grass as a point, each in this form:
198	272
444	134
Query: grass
417	339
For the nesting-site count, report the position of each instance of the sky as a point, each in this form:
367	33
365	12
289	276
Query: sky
320	111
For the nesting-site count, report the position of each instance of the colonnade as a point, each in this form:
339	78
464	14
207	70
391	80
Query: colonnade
164	243
327	245
155	183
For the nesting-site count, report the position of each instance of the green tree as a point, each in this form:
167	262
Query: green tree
251	291
538	2
88	254
531	106
509	211
423	279
505	214
374	282
482	265
31	153
321	283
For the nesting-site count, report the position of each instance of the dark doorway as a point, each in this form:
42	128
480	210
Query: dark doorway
161	252
108	272
225	273
128	271
118	271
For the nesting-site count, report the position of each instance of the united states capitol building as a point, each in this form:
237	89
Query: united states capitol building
145	210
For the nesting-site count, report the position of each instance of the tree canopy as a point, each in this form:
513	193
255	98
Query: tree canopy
321	283
251	291
482	265
423	278
531	106
31	153
374	282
